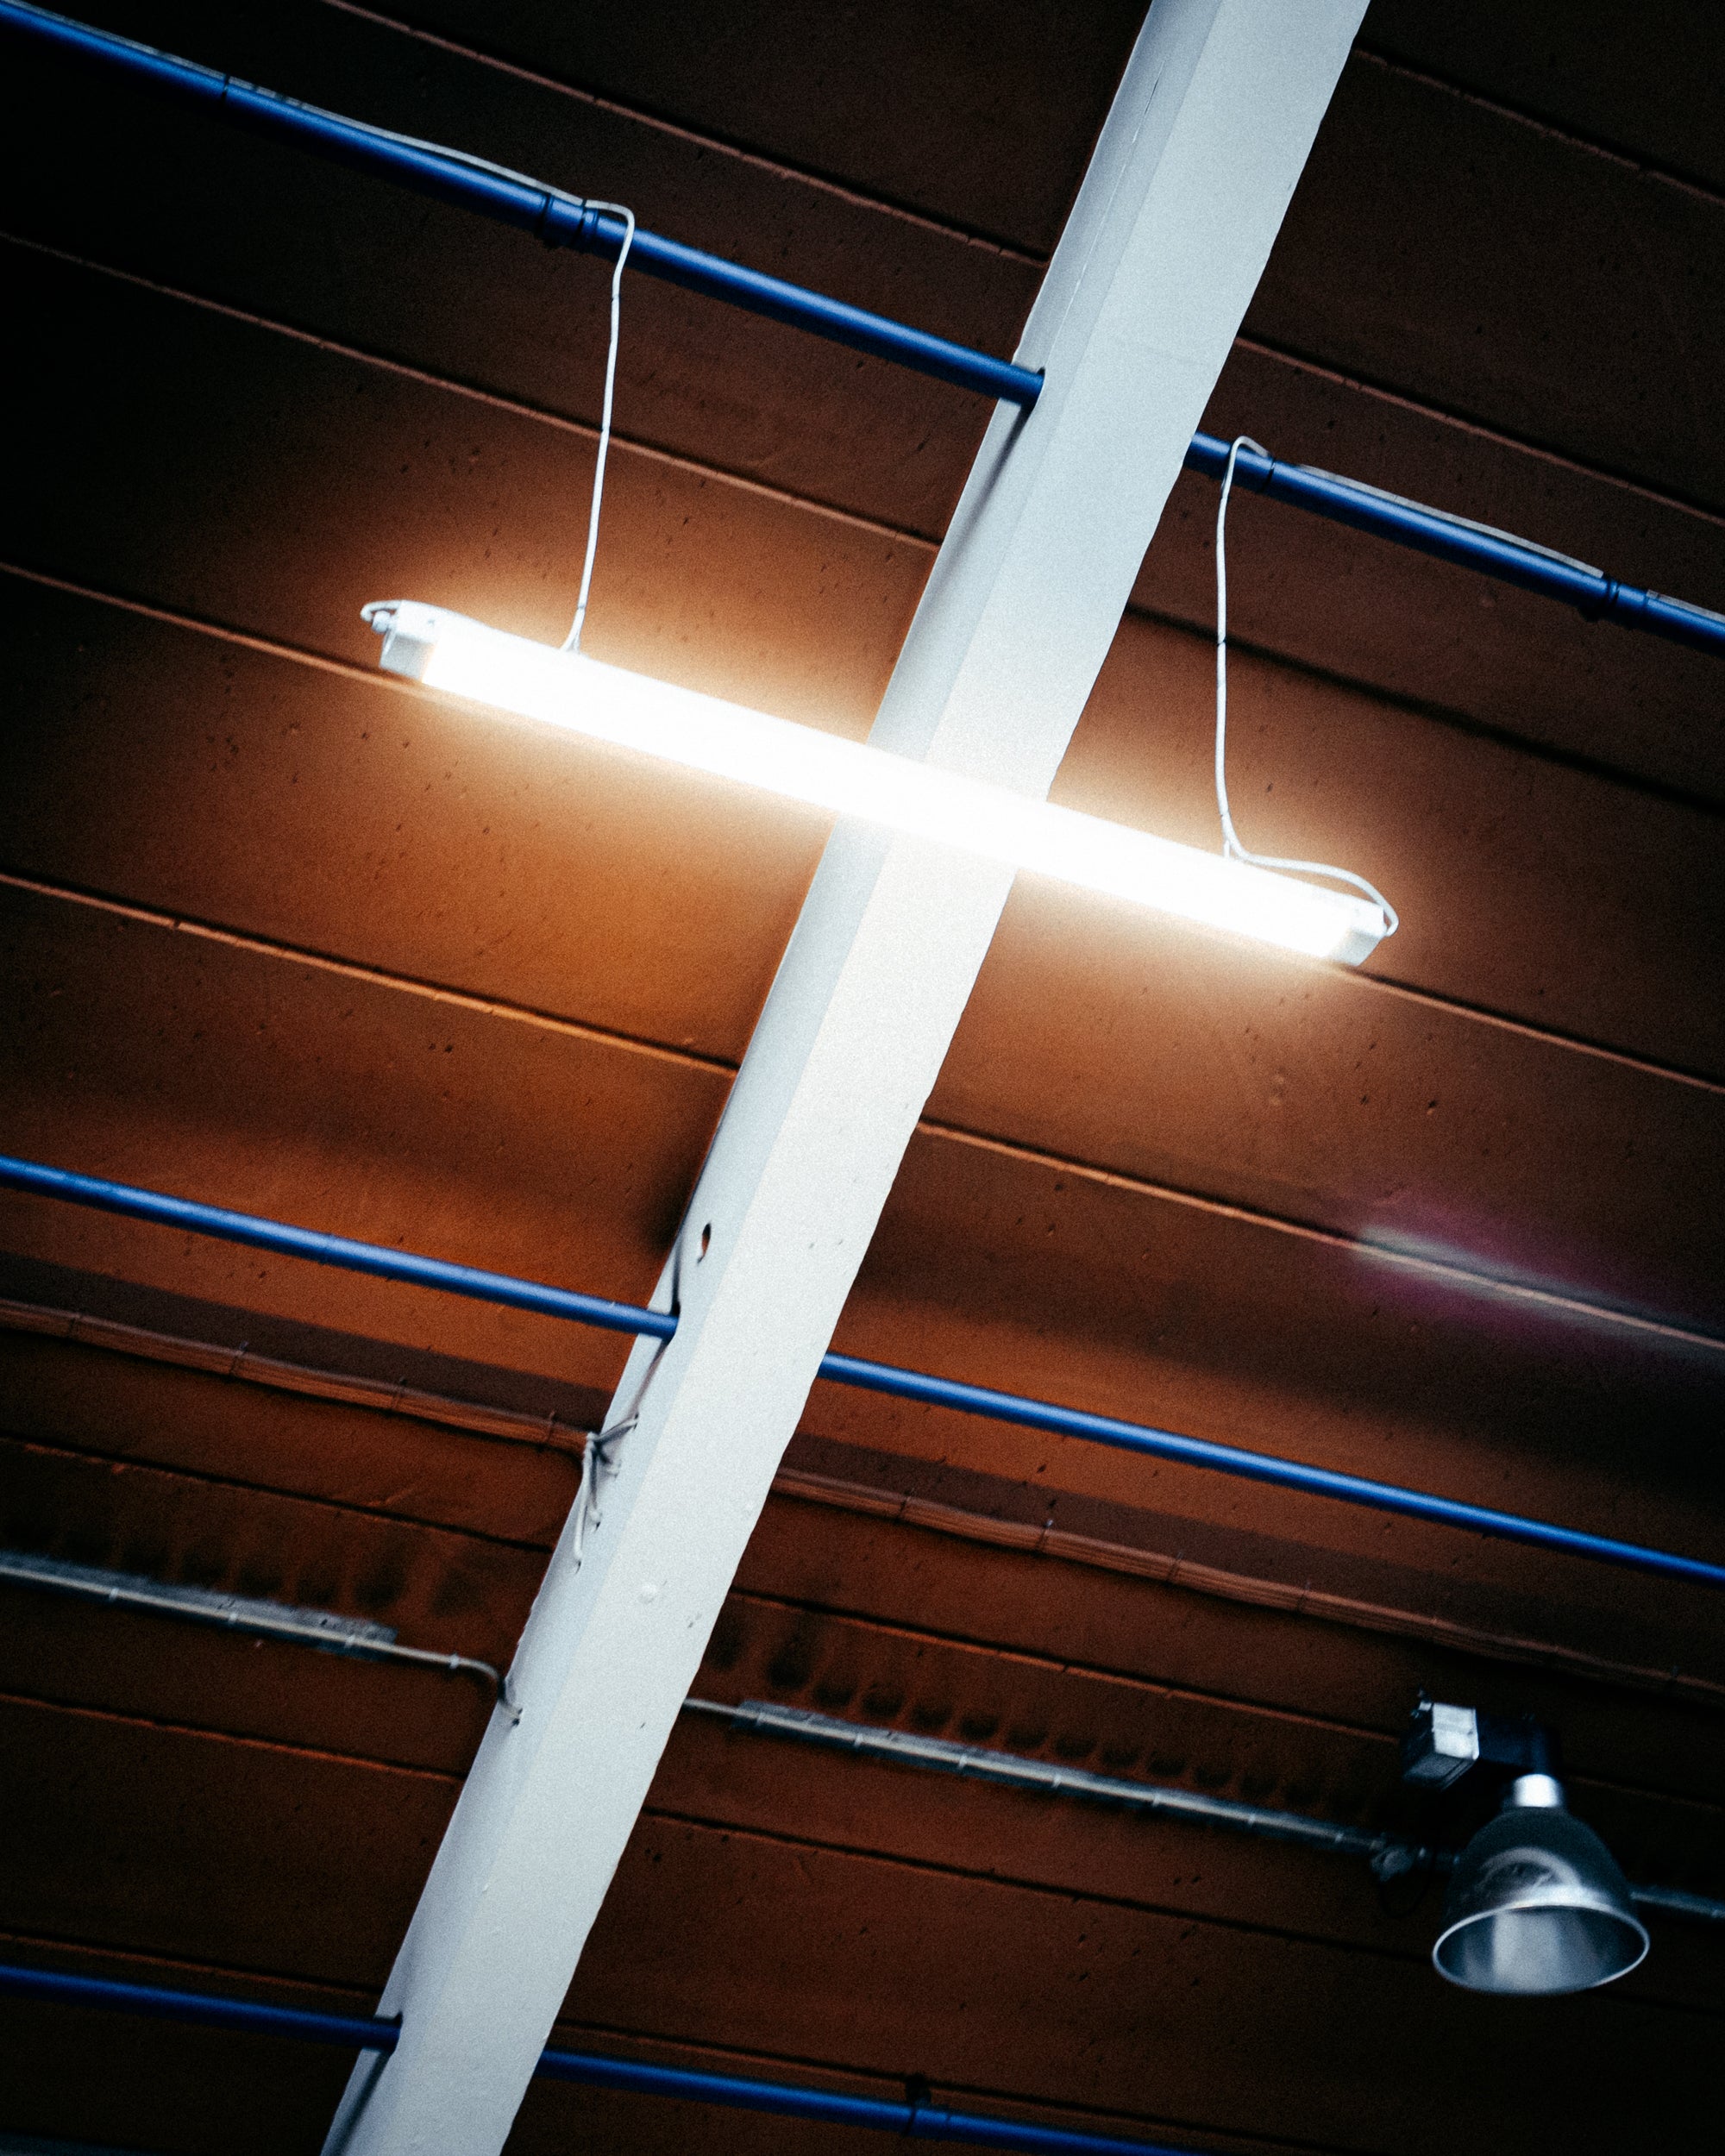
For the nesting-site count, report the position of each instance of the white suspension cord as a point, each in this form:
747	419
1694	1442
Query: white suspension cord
601	1455
1231	843
572	640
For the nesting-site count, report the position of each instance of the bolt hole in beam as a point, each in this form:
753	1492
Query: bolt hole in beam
227	1225
562	220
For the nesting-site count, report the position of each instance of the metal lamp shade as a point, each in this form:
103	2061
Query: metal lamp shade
1537	1905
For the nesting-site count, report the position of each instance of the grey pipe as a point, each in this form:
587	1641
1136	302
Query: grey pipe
1389	1855
319	1628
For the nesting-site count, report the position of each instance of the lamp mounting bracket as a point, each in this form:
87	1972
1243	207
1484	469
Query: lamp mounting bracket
1445	1743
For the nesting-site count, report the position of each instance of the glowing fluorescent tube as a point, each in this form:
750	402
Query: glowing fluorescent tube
464	658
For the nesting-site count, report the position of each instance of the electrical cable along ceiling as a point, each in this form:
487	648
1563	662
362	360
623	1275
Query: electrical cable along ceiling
362	978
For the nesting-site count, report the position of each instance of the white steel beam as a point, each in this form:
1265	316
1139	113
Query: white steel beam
1183	198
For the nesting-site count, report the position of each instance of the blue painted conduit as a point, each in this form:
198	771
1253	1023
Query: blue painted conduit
848	1369
1469	546
559	220
565	220
920	2121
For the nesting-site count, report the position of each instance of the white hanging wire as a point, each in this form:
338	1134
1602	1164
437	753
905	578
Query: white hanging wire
1231	841
601	1456
588	1513
572	640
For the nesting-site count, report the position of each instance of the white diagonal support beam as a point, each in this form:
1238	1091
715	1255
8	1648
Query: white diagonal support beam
1185	193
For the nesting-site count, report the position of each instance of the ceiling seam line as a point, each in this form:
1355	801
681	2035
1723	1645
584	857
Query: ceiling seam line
1247	2140
905	535
166	1727
1317	1605
370	976
1287	1717
893	1628
1667	497
1404	400
1642	783
1158	1568
722	146
1284	1223
894	534
812	504
1068	1895
548	1433
53	1703
1458	720
1575	1043
514	1013
204	1479
204	625
1625	160
294	655
473	393
1550	755
1010	1883
270	947
129	1956
901	1508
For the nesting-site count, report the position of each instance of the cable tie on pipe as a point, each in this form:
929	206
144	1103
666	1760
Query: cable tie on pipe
1606	602
554	201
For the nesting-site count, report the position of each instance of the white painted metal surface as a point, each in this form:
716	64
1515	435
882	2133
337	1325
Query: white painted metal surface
1187	189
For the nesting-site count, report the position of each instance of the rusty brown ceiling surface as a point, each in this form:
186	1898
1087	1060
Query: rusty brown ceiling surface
284	935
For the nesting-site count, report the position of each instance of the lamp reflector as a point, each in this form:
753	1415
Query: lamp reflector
566	689
1536	1903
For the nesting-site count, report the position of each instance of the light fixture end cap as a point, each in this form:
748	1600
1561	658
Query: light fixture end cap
409	632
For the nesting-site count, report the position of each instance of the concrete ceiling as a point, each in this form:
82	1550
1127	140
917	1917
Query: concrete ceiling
281	936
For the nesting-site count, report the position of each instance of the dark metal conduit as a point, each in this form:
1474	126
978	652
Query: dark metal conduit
255	1618
562	220
849	1369
915	2121
976	1763
1388	1854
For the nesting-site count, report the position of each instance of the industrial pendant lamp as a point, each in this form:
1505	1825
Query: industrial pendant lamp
1537	1905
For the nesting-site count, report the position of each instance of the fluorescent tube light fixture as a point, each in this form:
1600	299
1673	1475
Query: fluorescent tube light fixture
564	688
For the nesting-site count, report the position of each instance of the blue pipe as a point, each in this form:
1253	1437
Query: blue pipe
920	2121
916	2122
361	2031
849	1369
333	1249
562	220
1446	538
557	219
1261	1467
